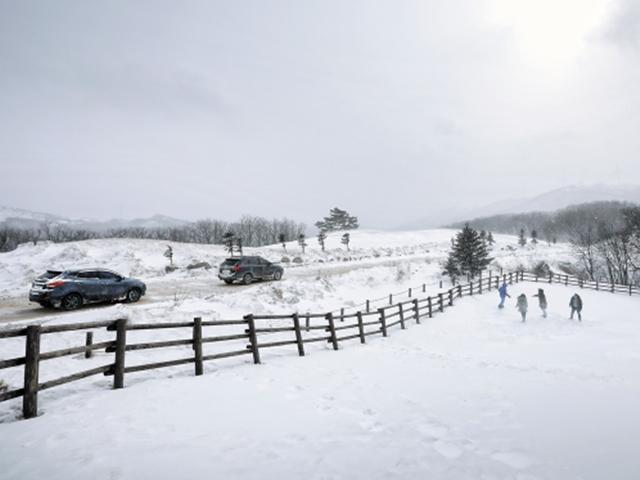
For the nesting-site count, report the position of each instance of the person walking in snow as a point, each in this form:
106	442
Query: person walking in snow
502	291
522	305
576	306
542	300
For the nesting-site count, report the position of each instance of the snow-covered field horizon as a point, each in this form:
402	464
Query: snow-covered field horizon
471	393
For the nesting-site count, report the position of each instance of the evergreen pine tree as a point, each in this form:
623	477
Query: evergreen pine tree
346	238
338	219
321	239
451	268
283	240
522	239
534	236
228	240
490	238
470	253
302	242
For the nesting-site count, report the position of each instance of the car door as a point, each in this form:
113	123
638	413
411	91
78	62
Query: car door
88	282
268	268
111	286
256	267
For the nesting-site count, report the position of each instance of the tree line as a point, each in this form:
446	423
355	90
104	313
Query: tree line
254	231
550	226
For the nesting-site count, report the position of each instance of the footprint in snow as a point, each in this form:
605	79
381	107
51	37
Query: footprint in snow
432	430
447	450
513	459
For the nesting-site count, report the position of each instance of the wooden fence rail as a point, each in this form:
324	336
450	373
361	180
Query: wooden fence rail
361	324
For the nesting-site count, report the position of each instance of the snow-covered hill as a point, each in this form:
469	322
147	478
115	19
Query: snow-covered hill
27	219
379	263
544	202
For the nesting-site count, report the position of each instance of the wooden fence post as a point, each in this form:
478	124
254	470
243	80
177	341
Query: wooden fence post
31	367
367	306
342	314
197	345
88	341
566	280
440	283
391	299
332	331
441	302
510	278
416	310
471	288
613	287
383	322
121	348
401	315
459	291
597	285
480	283
430	307
630	290
296	327
253	338
451	297
360	327
551	277
409	292
307	322
424	287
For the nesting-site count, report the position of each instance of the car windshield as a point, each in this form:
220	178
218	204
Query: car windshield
50	274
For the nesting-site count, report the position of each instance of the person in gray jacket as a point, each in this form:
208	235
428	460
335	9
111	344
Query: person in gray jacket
522	305
542	300
576	306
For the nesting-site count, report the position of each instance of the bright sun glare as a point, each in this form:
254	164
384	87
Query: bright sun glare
549	33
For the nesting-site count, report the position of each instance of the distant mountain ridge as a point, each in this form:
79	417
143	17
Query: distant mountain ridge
545	202
26	219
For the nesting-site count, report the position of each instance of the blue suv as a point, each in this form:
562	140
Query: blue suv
71	289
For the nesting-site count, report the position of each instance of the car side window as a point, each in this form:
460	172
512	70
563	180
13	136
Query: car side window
87	275
107	276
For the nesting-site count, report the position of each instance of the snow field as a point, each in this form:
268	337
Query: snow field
472	393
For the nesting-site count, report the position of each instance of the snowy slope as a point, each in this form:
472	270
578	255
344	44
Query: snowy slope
379	263
470	394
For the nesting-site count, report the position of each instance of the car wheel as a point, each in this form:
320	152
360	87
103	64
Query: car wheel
277	275
133	295
228	282
247	279
71	302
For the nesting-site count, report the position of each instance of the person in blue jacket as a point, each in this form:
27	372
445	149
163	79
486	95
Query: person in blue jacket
502	291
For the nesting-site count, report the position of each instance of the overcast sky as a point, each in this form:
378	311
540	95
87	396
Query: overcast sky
287	108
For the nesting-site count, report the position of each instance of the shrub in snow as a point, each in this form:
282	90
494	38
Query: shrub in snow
297	260
542	269
3	387
195	265
170	268
285	260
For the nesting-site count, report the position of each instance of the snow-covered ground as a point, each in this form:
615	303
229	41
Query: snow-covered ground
471	394
379	263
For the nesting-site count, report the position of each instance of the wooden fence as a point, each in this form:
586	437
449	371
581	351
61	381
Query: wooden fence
318	327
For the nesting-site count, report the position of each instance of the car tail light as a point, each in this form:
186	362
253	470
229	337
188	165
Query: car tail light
55	284
236	267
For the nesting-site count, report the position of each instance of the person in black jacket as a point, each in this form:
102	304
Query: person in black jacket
542	300
576	306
